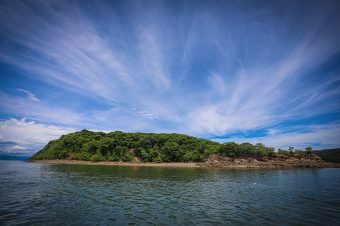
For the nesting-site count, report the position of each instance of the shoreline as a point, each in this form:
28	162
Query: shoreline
258	165
151	164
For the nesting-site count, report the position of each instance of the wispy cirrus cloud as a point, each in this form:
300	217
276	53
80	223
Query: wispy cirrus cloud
37	110
190	67
29	94
318	136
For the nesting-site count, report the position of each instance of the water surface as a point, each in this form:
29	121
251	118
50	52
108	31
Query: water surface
45	194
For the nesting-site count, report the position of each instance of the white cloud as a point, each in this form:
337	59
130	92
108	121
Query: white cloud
8	147
29	94
37	110
198	73
28	134
318	136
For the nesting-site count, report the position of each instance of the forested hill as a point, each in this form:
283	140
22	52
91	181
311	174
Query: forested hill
120	146
148	147
152	147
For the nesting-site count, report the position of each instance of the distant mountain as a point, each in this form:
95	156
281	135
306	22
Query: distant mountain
14	157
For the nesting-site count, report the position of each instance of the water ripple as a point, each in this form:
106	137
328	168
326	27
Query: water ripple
41	194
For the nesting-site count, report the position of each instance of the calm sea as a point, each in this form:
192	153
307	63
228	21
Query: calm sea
47	194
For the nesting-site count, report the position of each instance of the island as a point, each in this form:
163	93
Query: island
177	150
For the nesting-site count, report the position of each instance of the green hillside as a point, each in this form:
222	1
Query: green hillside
329	155
120	146
148	147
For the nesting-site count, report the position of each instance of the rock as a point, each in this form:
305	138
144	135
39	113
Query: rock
277	161
137	159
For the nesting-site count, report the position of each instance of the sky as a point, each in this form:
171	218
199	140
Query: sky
243	71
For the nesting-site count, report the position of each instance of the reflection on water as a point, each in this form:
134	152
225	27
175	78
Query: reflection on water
79	195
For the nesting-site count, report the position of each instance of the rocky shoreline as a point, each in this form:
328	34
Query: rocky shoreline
218	161
118	163
277	161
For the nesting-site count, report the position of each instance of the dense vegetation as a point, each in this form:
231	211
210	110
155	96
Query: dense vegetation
119	146
147	147
329	155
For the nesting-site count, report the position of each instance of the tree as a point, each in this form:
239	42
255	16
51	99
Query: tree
91	146
260	145
120	152
171	151
229	149
309	150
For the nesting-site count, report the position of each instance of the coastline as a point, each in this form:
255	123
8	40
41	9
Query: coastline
151	164
243	164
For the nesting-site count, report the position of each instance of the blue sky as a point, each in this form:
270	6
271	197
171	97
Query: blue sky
244	71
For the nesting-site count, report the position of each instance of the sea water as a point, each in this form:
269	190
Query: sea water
55	194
